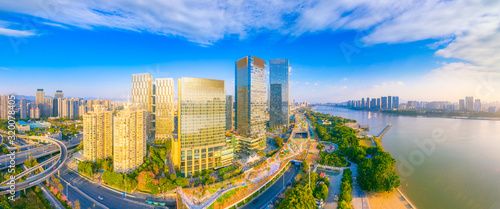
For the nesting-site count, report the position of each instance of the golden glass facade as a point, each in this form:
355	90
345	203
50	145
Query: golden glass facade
201	126
251	101
130	137
98	134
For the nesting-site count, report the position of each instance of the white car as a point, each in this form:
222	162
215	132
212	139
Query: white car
101	198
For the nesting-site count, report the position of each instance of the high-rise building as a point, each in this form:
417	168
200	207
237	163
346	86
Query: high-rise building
60	102
164	108
378	103
373	103
367	104
461	105
384	103
4	107
98	134
23	108
40	96
477	105
59	94
48	107
156	97
201	126
279	113
82	110
35	112
229	112
250	90
395	102
492	109
129	138
363	102
469	103
142	95
389	103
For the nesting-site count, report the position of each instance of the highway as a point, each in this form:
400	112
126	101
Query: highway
45	174
35	153
271	193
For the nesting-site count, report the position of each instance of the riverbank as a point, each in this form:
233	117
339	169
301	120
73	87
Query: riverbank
434	114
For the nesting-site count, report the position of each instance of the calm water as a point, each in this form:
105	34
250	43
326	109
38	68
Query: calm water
443	163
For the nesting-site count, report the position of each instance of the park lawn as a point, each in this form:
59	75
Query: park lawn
366	143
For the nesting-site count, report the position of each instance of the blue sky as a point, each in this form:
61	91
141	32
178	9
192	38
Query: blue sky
419	50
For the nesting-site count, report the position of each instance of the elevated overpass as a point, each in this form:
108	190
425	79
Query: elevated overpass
37	152
34	180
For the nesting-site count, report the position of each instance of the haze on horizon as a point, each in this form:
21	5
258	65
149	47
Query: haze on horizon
418	50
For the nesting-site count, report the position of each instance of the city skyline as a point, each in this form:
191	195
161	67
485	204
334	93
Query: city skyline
355	53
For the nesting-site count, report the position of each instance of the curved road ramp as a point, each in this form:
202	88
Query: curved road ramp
10	186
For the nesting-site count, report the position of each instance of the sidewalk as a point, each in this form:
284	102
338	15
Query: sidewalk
50	197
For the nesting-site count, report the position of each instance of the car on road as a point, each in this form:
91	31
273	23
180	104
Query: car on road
100	197
255	201
54	168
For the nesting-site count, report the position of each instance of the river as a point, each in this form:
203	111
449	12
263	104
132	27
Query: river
442	162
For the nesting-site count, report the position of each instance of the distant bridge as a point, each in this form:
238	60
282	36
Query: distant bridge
382	133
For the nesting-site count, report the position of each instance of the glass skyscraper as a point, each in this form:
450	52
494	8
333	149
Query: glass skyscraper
201	126
250	91
279	93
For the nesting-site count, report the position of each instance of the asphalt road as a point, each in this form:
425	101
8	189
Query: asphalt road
112	199
274	190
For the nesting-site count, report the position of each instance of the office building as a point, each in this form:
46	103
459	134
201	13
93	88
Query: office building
23	108
363	102
492	109
378	103
130	135
367	104
156	97
279	113
250	90
201	124
469	103
164	108
229	112
142	95
98	134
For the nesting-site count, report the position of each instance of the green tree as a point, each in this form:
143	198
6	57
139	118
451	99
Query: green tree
299	197
321	191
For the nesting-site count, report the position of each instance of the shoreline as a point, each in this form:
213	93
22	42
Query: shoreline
393	198
420	115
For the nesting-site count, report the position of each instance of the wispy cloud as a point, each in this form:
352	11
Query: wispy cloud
388	84
15	33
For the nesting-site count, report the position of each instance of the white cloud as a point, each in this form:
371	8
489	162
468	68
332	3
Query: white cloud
198	21
307	83
15	33
316	84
